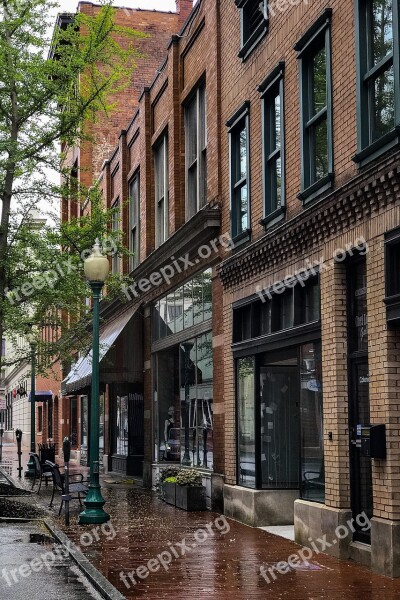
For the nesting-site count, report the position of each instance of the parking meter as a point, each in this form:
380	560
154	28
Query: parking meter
66	449
18	437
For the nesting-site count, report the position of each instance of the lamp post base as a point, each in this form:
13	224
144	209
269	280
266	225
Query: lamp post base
94	513
30	473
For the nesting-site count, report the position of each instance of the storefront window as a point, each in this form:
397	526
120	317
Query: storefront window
188	305
101	428
84	420
312	434
184	396
246	425
122	426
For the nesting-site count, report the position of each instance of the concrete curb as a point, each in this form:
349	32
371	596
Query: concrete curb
99	582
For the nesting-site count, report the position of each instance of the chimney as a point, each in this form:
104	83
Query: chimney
183	8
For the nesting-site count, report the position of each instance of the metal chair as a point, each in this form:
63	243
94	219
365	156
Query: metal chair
41	473
59	485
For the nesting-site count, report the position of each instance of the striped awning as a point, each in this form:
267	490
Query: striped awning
80	375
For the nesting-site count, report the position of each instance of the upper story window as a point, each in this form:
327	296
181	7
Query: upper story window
115	224
196	152
253	24
161	190
377	77
316	108
239	173
134	221
273	145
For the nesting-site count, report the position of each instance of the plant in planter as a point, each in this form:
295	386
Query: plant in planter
167	483
190	492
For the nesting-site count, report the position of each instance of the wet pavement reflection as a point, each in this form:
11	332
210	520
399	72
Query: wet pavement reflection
217	563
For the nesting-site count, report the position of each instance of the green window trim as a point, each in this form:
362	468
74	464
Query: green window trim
134	221
250	35
369	145
315	53
240	197
274	198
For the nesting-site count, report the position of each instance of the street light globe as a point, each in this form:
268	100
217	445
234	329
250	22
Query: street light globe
96	266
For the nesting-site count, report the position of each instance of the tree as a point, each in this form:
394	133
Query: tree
47	98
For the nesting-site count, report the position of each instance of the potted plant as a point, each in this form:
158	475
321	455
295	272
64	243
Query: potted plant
167	484
190	492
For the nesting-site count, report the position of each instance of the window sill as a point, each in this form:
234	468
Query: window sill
377	149
317	189
253	41
241	238
273	218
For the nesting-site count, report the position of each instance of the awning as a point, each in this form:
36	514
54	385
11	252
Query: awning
42	396
80	375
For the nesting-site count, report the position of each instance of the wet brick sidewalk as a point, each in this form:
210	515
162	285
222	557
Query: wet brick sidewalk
223	566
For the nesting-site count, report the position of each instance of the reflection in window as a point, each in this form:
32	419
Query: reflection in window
312	434
273	145
279	411
122	426
188	305
196	401
246	425
376	74
84	421
239	156
184	393
101	424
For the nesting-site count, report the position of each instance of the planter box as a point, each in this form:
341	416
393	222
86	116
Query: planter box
169	493
190	498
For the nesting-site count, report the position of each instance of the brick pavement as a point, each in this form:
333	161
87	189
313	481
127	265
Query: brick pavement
223	566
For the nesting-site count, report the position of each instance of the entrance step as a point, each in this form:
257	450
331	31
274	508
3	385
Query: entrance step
285	531
360	553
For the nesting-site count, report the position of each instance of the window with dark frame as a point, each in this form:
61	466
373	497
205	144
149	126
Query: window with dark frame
298	305
392	276
161	190
239	170
314	53
196	152
378	107
273	145
115	224
134	221
253	24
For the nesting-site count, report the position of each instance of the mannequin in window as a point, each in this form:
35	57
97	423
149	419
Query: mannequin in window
169	424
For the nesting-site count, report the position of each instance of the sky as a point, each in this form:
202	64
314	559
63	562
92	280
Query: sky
70	5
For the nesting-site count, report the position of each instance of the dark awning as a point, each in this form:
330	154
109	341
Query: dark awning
80	375
42	396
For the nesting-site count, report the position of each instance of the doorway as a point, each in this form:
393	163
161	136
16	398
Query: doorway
361	491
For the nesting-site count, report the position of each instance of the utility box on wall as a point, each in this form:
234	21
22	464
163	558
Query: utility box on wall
373	441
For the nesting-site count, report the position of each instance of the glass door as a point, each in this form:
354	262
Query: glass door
280	421
360	466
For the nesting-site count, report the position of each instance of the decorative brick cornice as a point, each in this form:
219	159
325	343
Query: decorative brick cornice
368	193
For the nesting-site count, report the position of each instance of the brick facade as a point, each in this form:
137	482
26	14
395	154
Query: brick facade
363	203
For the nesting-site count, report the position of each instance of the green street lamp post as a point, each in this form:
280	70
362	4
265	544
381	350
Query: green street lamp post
96	270
31	464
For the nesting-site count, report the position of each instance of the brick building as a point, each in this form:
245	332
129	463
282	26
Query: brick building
253	356
86	161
